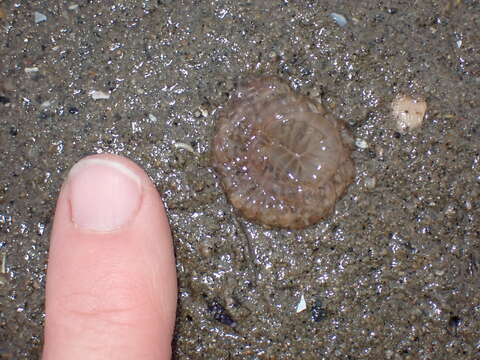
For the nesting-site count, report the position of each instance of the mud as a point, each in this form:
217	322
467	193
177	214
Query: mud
393	273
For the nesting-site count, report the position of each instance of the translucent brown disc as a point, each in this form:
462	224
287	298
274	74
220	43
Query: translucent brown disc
283	159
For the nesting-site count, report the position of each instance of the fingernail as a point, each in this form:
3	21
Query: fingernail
104	194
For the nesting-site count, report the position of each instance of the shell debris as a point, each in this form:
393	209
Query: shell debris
361	143
184	146
339	19
3	269
408	112
30	70
39	17
302	304
99	95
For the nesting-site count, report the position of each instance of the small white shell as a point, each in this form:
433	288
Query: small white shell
361	143
408	112
184	146
39	17
339	19
99	95
302	305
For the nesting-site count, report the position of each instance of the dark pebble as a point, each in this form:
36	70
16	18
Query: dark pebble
4	100
453	324
73	110
318	312
220	314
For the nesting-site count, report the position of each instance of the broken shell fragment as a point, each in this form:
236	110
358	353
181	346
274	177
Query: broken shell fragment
408	112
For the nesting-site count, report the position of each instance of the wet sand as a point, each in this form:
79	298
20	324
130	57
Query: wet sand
392	274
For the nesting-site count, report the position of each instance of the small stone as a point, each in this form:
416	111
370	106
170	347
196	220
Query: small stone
220	314
205	249
39	17
73	7
73	110
370	183
454	322
408	112
4	100
319	313
99	95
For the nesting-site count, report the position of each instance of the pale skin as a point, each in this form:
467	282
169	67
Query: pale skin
111	282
